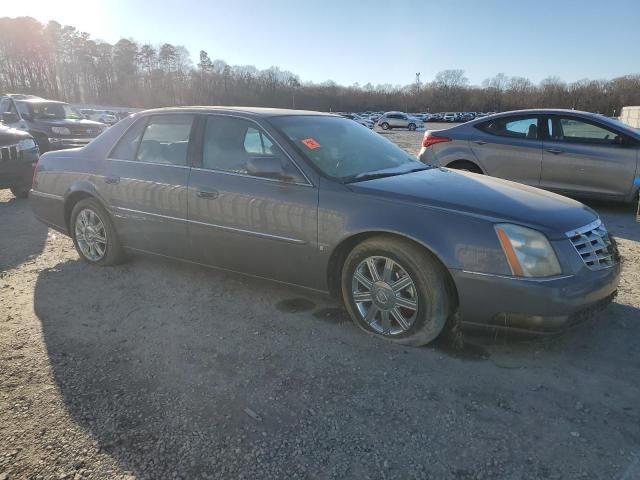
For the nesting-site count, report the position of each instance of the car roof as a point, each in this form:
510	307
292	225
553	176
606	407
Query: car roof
256	111
542	111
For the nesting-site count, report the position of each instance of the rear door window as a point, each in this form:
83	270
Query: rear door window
513	127
166	140
128	145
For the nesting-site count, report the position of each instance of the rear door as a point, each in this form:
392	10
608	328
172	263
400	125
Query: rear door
585	157
145	181
261	226
509	147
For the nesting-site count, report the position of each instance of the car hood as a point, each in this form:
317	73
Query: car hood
9	136
492	198
68	122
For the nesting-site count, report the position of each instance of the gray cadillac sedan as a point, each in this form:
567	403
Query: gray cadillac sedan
318	201
569	152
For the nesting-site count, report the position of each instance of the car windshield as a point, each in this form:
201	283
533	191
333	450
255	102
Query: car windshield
343	149
51	111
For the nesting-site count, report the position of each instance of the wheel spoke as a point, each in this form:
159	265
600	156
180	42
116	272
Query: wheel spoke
385	322
406	303
100	238
401	284
373	269
362	297
363	280
388	270
400	319
371	313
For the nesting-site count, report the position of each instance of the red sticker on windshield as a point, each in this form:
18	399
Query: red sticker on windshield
310	143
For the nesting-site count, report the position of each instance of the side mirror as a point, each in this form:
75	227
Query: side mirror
268	167
10	117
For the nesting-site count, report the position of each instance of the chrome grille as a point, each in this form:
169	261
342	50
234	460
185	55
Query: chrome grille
9	153
594	246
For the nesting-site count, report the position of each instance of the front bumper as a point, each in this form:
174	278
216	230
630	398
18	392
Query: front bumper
536	305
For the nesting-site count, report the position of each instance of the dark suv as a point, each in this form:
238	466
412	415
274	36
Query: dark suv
18	157
54	125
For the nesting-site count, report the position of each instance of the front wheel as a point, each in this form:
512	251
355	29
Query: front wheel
385	126
412	127
94	235
395	289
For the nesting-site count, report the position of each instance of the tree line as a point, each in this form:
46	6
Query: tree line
63	63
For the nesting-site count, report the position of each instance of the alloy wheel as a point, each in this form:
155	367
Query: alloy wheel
385	295
91	235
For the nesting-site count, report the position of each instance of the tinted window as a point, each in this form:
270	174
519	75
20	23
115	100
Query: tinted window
128	144
229	143
166	140
573	130
520	127
4	105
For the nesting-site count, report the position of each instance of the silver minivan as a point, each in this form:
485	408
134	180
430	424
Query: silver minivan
566	151
399	120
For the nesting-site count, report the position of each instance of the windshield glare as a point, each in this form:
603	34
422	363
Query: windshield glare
52	111
341	148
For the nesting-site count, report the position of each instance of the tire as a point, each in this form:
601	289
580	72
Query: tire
429	291
385	126
412	127
465	166
20	192
108	252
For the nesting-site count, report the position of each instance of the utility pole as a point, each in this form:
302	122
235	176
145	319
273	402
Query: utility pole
418	79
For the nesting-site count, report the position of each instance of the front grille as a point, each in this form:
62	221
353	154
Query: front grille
9	153
84	131
594	246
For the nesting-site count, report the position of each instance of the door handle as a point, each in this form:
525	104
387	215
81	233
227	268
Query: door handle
480	142
208	194
111	180
555	151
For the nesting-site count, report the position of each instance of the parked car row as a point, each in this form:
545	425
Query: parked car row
108	117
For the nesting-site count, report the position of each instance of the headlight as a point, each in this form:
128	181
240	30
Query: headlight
528	252
61	130
27	144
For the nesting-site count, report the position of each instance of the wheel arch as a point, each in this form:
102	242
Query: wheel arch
79	191
346	245
466	160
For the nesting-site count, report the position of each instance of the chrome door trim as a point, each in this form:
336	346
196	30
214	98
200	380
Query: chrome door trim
50	196
213	225
225	172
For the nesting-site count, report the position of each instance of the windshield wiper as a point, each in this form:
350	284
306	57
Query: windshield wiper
361	177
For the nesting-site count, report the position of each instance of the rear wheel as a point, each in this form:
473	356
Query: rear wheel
394	289
412	127
465	166
385	126
94	235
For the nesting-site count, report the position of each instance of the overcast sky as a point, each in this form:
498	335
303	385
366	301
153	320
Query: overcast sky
374	41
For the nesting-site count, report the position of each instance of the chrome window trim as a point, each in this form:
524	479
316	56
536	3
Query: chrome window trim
213	225
137	162
266	134
245	175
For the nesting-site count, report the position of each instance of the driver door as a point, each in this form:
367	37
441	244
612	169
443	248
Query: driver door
586	158
261	226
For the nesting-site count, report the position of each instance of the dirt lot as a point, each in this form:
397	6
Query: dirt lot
156	369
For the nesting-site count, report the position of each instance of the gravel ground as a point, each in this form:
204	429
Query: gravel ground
156	369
